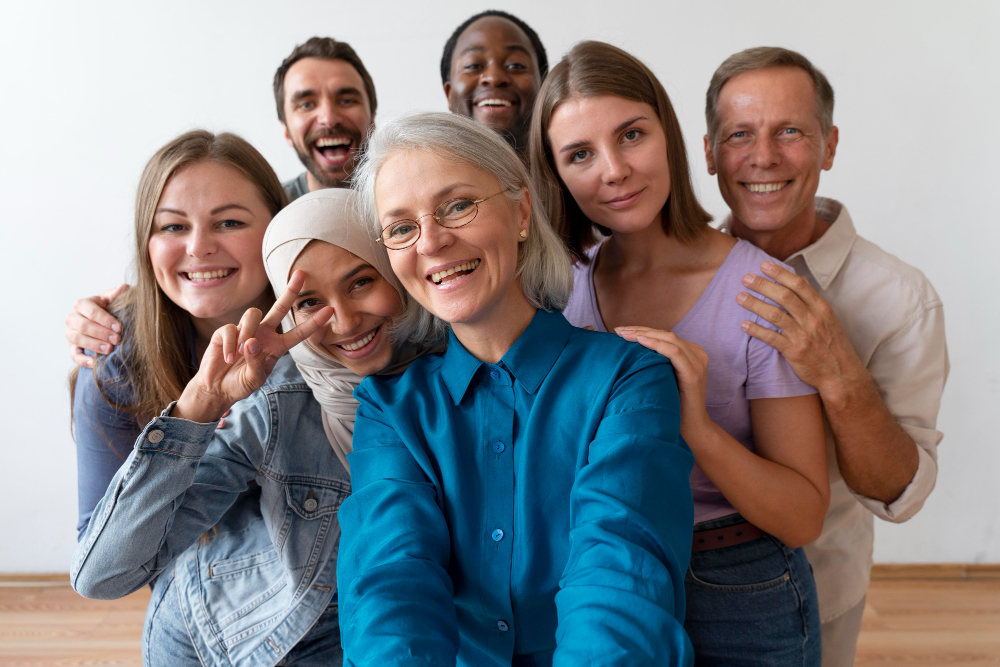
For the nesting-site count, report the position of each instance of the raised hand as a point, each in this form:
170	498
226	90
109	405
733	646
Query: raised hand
240	357
690	362
89	326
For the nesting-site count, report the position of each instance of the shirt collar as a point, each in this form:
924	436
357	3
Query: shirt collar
529	359
825	257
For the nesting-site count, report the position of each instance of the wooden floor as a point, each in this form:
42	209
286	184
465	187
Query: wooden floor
906	622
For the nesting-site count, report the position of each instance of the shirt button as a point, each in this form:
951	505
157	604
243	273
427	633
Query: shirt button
497	535
310	505
155	436
502	625
498	447
495	374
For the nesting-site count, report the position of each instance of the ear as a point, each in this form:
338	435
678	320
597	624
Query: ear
288	137
709	157
831	141
524	213
447	92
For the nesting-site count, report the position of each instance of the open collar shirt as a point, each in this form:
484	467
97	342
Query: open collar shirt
895	321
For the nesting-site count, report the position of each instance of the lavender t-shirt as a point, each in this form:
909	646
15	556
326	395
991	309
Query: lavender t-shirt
740	367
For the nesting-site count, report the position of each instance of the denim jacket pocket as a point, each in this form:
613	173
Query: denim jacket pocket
311	501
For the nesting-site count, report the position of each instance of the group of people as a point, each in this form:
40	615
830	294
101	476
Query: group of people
487	388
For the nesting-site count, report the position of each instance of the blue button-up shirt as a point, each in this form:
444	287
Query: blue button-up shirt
535	507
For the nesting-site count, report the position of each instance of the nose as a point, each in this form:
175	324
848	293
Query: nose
433	237
495	74
329	113
346	318
765	153
616	168
201	243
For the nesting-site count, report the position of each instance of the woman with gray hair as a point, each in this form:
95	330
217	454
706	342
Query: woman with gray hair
522	497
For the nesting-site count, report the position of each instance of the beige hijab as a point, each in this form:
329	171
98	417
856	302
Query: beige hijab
331	216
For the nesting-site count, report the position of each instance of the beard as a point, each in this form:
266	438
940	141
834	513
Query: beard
338	177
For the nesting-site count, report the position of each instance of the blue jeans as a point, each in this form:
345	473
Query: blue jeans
752	604
167	643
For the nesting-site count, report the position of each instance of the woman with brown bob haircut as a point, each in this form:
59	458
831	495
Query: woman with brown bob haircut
608	158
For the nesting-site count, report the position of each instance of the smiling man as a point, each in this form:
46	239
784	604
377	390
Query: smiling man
326	104
491	68
861	326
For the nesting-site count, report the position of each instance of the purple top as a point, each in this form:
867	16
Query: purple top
740	367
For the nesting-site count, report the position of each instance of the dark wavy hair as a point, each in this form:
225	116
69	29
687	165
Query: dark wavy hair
536	43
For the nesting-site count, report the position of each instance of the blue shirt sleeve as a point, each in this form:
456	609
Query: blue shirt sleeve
621	595
104	433
396	603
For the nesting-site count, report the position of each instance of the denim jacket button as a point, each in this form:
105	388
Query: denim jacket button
155	436
310	505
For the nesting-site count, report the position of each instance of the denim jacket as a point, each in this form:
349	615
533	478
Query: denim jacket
263	494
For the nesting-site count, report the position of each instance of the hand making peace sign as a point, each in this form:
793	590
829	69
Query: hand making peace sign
240	357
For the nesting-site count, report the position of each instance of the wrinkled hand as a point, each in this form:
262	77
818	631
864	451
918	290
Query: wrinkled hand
240	357
811	337
89	326
690	362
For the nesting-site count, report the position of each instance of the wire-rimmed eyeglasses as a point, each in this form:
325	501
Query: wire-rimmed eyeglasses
451	214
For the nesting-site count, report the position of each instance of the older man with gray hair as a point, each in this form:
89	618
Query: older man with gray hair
864	328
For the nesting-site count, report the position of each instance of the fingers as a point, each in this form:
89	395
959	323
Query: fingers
248	326
254	373
286	300
94	309
305	329
222	420
773	338
772	314
229	337
780	294
79	358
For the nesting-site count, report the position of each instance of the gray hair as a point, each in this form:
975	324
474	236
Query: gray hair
762	57
543	263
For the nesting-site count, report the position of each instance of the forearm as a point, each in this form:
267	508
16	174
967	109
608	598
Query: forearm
126	544
772	496
877	458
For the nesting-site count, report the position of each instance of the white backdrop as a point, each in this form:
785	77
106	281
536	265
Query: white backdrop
91	90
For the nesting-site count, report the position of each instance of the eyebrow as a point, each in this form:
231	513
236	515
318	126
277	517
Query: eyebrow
355	271
214	211
447	190
309	92
618	128
510	47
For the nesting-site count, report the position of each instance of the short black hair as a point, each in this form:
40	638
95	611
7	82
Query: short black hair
536	43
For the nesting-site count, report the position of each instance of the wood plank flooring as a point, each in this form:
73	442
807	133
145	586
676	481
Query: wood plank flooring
906	622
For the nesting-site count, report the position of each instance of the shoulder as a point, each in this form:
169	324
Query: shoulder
873	265
422	375
600	353
745	257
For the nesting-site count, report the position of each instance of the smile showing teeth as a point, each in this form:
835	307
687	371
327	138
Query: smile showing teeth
494	102
439	277
202	276
764	188
332	142
357	345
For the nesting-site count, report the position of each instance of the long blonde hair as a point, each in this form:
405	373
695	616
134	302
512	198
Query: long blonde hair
157	352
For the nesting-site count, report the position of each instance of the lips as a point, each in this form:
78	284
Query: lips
625	200
494	102
447	274
765	188
362	345
333	148
206	276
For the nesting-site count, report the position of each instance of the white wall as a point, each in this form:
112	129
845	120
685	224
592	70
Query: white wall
90	90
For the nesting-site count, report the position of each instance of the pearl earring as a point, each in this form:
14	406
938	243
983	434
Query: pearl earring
524	233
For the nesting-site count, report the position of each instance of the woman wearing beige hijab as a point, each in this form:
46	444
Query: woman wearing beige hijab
260	585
